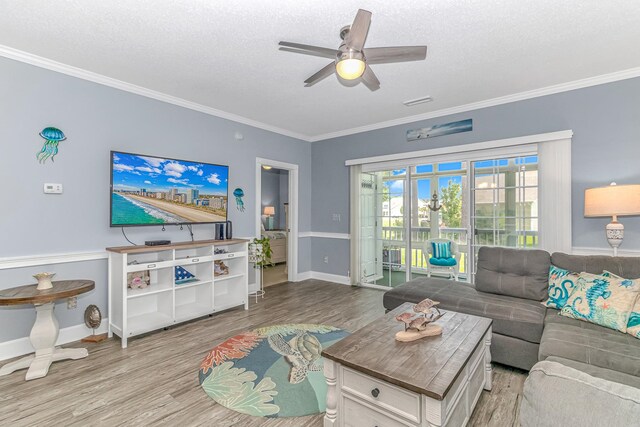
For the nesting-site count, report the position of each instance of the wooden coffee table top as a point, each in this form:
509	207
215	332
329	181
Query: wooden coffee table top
427	366
28	294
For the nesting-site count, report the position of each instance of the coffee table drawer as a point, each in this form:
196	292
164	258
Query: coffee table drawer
387	397
358	415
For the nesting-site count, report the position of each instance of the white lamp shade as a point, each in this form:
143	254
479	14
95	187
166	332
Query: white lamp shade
269	210
612	200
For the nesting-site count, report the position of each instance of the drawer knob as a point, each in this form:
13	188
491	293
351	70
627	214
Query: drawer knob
375	392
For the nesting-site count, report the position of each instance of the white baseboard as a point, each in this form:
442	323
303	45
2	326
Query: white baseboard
22	346
335	278
303	276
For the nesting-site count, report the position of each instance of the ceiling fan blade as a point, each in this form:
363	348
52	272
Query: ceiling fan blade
306	49
370	80
387	55
326	71
359	29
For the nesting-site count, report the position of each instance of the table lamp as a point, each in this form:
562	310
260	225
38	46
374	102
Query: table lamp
614	201
269	212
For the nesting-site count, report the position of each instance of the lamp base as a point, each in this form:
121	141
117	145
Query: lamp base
615	234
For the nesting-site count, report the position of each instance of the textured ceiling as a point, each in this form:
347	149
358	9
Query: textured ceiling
223	54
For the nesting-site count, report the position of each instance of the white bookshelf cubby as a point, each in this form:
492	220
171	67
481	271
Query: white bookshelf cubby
164	302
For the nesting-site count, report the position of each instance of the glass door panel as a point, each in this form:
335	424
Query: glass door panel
505	203
422	180
450	221
369	260
383	228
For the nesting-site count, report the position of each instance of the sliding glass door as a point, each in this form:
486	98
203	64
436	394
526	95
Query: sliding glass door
490	202
505	203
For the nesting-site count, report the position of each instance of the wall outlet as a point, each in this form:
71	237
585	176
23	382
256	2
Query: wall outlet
72	303
336	217
52	188
326	260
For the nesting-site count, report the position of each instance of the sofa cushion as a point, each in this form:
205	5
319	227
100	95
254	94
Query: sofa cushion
520	273
558	395
443	262
441	249
588	343
605	301
513	317
628	267
598	372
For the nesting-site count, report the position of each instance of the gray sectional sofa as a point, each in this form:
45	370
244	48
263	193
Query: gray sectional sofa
509	288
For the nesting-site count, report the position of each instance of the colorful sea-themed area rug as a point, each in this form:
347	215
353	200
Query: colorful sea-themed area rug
273	372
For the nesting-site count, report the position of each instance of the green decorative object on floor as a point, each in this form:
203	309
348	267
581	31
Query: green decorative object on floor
275	371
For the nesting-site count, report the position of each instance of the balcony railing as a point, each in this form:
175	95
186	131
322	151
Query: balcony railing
394	243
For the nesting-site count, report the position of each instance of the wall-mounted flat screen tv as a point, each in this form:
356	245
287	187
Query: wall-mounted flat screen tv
149	190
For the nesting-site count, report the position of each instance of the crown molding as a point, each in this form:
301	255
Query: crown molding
83	74
38	61
521	96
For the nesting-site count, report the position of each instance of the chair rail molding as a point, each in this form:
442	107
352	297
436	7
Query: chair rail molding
50	259
324	235
576	250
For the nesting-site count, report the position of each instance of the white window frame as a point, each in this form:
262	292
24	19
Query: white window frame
554	176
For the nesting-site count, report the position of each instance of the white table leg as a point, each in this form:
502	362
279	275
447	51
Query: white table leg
44	335
331	374
487	361
23	363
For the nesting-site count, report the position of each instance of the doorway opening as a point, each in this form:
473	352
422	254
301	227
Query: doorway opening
276	201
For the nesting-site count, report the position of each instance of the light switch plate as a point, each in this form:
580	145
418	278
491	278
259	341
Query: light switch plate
50	188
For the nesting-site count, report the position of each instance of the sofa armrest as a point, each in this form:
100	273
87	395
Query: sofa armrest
557	395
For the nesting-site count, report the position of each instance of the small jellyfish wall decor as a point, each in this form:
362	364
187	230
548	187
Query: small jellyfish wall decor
239	203
52	137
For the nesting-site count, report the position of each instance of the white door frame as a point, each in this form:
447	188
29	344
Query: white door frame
292	240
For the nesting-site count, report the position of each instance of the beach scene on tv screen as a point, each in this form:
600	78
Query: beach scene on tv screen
153	190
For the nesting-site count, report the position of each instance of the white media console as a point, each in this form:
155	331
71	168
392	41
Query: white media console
164	302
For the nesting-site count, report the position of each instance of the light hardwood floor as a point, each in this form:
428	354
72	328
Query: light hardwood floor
155	381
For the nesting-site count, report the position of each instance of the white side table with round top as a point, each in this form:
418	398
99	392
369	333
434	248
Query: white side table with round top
44	333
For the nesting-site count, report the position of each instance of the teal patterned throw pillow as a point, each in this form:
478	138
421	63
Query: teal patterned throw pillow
605	301
633	324
561	283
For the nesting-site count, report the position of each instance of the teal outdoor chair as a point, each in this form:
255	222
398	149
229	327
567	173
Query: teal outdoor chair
449	265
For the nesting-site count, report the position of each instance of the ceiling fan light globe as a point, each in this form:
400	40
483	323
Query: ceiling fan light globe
350	68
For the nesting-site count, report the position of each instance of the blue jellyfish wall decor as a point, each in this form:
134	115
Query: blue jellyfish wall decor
52	137
239	203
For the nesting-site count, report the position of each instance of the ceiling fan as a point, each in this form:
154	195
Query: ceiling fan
352	60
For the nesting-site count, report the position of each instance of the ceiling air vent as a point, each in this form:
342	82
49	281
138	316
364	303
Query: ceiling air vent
412	102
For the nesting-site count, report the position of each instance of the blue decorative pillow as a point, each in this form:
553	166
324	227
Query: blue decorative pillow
561	283
183	276
605	301
441	249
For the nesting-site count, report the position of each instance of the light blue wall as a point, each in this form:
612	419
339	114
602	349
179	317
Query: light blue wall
97	119
605	120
